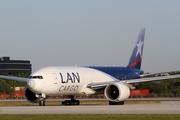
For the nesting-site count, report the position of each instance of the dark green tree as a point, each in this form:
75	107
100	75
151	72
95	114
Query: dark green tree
154	87
13	83
165	86
5	88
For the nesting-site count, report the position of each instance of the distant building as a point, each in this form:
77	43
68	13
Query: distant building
14	66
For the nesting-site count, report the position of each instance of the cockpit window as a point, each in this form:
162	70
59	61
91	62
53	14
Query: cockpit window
35	77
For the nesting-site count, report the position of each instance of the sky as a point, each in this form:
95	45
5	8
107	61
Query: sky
90	32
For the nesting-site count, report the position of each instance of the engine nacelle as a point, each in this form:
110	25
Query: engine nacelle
31	96
117	92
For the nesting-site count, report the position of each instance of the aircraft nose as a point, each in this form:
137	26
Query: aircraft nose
31	84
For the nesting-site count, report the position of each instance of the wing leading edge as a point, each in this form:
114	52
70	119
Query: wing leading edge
151	79
146	75
14	78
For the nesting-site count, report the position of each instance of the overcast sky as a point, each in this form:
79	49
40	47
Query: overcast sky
90	32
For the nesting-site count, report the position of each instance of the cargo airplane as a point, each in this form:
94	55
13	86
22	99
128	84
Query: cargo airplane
114	82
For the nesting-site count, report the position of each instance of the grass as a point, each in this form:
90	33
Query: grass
89	117
52	103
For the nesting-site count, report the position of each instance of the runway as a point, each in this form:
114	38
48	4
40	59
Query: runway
86	99
165	107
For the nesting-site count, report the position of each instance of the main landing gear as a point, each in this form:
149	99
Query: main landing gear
70	102
116	103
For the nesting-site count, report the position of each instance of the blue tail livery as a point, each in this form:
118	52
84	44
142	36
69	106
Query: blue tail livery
136	57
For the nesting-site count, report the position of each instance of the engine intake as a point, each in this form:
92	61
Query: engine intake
31	96
117	92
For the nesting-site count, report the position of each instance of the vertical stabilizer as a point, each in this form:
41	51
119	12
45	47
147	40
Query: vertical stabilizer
136	57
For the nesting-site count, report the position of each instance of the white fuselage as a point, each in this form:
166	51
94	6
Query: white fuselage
66	80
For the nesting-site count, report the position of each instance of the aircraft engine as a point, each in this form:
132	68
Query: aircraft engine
31	96
117	92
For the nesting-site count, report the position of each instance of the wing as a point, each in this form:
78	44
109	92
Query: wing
14	78
151	79
97	86
146	75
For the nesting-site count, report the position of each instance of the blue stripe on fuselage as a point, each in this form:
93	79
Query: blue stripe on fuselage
121	73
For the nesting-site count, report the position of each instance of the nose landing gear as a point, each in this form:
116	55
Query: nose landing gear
42	99
42	103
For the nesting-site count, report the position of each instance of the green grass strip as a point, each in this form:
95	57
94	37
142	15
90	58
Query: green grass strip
89	117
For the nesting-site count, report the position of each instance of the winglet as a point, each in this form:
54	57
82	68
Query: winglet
136	57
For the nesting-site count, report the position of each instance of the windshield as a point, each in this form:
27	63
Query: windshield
35	77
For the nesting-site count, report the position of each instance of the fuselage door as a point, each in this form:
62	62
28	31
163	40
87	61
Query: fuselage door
55	78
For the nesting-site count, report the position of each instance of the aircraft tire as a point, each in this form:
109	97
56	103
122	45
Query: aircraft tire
69	102
116	103
41	103
44	103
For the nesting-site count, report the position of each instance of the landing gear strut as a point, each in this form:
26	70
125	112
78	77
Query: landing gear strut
70	102
41	103
42	98
116	103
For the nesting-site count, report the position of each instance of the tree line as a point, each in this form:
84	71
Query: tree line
169	86
8	86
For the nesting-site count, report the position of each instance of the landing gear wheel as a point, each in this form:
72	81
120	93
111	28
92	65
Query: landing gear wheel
71	102
116	103
76	102
42	103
